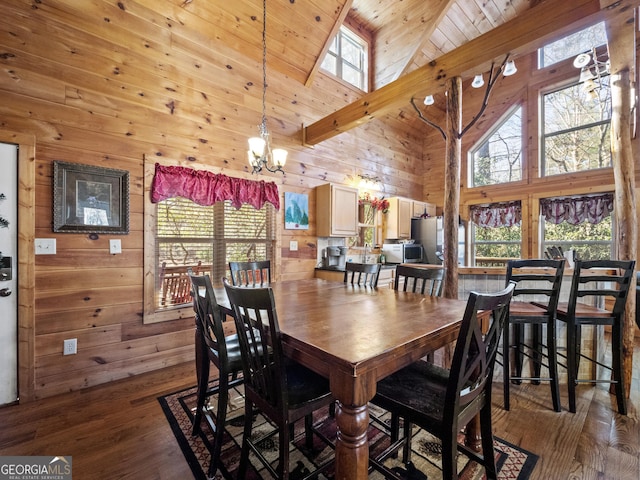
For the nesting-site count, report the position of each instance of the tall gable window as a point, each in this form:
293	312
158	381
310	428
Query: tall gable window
347	59
575	128
572	45
498	158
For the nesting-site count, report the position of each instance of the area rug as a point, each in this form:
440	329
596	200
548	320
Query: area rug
513	462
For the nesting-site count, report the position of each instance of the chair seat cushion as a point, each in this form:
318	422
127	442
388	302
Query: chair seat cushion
304	385
234	355
526	308
420	387
583	310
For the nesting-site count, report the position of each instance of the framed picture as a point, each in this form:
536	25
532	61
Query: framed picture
90	199
296	211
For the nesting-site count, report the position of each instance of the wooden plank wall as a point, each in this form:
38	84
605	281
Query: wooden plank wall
108	83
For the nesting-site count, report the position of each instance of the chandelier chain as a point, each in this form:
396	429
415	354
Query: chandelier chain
263	127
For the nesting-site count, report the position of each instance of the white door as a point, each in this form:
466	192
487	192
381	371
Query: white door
8	273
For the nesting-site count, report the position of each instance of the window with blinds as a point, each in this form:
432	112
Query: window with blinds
206	239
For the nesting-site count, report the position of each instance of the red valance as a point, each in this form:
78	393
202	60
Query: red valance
207	188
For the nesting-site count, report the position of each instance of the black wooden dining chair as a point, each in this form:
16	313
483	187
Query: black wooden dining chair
592	282
365	274
427	281
538	281
224	352
442	401
256	273
282	390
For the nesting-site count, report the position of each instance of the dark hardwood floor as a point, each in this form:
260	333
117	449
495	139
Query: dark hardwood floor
119	431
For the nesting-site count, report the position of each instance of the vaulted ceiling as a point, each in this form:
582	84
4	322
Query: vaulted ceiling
405	34
415	43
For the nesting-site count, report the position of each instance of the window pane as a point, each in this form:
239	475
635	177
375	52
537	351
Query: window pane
579	150
494	246
206	238
499	158
351	52
590	242
576	106
351	75
572	45
576	128
347	58
329	63
179	217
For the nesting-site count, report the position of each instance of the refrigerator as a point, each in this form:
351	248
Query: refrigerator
429	232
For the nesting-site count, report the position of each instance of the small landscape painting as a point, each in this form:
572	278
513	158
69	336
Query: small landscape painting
296	211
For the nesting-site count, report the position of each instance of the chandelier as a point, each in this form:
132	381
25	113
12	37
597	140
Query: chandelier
260	154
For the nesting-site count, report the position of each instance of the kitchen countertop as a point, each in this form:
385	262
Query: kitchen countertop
385	266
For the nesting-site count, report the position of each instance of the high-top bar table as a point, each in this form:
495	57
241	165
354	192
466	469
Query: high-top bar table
356	336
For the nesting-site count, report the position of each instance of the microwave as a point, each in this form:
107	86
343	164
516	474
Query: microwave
402	252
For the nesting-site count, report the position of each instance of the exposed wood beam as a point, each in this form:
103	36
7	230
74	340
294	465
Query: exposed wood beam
523	34
329	39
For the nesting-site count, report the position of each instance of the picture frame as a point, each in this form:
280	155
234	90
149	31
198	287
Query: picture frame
90	199
296	211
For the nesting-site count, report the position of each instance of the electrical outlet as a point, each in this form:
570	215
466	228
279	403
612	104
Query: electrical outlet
115	246
45	246
70	346
293	245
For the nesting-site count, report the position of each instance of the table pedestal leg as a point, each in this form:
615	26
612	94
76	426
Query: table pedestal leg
473	438
352	447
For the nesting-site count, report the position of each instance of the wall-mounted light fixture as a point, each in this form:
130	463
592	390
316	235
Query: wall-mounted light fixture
369	182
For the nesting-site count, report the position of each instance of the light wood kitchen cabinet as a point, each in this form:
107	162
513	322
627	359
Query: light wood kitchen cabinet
336	211
399	218
419	208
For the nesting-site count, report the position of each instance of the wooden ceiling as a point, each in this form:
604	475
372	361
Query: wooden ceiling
410	38
411	33
406	34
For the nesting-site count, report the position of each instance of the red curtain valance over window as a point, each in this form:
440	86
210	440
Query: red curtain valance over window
207	188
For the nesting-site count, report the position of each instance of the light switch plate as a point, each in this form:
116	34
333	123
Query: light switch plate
45	246
115	246
293	245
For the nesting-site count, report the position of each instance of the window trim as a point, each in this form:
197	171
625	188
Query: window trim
486	135
150	313
542	135
347	31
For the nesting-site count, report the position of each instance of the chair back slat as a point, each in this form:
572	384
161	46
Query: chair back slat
475	353
208	313
590	282
365	274
427	281
255	273
535	278
260	343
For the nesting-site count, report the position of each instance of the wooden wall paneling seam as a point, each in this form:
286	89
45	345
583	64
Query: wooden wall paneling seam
88	317
98	374
106	353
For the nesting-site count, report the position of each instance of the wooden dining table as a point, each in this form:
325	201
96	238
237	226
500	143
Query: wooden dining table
355	336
